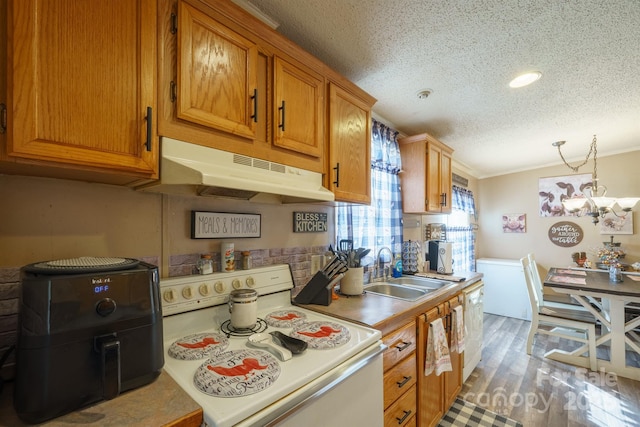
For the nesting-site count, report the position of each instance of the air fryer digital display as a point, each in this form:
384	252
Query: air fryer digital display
75	299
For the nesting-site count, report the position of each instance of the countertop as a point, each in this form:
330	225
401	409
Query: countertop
160	403
385	313
164	403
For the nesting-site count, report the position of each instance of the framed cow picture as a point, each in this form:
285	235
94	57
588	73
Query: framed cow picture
554	190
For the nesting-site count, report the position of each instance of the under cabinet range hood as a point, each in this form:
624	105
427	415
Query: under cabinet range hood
192	169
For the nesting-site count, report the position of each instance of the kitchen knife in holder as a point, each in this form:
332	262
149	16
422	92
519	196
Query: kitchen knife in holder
317	291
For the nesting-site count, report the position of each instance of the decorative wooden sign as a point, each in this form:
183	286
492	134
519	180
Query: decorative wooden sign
220	225
565	234
309	222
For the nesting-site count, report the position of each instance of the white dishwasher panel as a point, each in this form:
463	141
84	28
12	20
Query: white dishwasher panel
473	322
505	291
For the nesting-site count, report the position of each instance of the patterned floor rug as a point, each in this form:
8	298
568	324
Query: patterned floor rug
465	414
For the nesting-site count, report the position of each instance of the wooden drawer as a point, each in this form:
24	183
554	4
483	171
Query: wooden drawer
399	379
400	343
403	411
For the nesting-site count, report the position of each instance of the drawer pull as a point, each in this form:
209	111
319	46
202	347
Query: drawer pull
403	346
403	382
404	417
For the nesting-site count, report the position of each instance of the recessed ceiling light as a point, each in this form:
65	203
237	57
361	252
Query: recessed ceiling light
525	79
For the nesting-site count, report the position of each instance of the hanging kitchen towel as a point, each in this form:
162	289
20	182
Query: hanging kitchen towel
457	334
437	358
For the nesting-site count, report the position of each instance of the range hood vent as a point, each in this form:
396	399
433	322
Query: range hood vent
188	168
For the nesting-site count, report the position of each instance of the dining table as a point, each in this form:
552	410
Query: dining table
609	302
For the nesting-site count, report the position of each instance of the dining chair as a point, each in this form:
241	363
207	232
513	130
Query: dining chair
552	300
575	325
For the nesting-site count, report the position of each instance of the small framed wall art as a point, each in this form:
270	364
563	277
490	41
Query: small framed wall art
610	223
514	223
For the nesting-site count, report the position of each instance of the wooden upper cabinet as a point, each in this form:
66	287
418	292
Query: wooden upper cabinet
349	146
223	78
298	106
439	178
81	90
216	74
426	175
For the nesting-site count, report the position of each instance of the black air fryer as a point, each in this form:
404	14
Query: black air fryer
89	329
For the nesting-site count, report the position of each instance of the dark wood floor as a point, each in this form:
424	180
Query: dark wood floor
540	392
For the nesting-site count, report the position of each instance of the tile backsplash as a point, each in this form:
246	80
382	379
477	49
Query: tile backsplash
299	258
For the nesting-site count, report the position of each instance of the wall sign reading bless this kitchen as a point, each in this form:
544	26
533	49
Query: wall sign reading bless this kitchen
309	222
565	234
221	225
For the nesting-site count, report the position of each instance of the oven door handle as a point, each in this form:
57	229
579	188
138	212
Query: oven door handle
336	377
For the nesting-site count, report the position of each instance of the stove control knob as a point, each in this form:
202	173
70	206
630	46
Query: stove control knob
187	292
219	287
236	284
250	282
204	289
169	295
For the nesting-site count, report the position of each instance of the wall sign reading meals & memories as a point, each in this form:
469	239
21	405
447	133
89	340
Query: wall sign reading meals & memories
222	225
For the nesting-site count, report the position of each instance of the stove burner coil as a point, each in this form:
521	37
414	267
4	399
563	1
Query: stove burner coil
229	330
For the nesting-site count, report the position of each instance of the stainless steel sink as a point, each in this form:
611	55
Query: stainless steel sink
421	282
396	291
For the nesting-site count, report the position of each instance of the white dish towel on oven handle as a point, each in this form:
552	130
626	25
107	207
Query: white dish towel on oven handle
437	358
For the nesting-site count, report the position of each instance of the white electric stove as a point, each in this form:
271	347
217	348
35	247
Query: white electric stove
337	380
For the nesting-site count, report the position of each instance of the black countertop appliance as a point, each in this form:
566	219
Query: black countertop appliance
89	329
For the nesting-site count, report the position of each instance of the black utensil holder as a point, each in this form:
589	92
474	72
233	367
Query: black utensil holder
315	292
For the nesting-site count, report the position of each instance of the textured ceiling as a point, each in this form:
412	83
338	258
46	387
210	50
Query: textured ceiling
466	52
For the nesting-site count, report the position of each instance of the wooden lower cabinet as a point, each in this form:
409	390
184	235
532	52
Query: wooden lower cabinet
436	393
399	360
402	412
399	379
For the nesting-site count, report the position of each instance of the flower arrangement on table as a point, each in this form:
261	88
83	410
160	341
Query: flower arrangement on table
610	257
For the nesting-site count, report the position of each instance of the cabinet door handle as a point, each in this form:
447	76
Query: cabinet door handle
3	118
173	29
255	106
403	346
404	417
173	91
337	169
281	108
149	127
443	199
403	382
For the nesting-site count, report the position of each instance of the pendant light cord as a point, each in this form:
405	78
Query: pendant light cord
593	149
